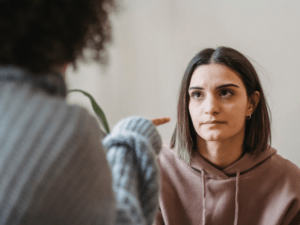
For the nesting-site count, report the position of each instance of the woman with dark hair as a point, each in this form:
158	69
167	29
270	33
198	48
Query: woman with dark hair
54	169
219	167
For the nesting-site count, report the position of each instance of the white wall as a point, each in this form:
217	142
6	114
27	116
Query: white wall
155	39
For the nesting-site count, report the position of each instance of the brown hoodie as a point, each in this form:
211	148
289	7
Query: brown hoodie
255	190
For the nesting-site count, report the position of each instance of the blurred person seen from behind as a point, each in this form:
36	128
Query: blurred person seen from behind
56	165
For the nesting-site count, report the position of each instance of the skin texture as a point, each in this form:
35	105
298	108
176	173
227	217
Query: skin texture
219	113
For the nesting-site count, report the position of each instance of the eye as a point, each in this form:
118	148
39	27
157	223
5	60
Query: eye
196	95
226	93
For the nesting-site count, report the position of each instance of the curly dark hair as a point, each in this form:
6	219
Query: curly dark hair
41	34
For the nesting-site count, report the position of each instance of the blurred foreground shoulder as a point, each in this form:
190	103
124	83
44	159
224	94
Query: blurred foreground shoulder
60	174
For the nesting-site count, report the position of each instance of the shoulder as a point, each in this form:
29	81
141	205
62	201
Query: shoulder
64	145
66	128
167	155
286	172
73	119
285	166
23	102
81	121
168	159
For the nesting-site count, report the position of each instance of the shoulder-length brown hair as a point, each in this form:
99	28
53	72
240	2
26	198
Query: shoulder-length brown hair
258	128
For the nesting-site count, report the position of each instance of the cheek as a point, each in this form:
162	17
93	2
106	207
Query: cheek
236	114
194	113
194	117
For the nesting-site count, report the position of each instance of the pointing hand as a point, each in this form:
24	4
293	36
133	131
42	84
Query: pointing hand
160	121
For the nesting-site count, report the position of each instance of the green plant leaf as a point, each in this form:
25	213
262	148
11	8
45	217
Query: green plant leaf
99	112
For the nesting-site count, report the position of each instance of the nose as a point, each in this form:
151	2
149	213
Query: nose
211	105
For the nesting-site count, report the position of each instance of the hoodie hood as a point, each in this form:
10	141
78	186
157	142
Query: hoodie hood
243	165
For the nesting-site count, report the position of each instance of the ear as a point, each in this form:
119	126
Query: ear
253	101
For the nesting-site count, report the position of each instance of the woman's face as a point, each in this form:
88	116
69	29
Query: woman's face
218	103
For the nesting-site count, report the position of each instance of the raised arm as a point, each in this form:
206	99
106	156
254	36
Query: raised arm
132	148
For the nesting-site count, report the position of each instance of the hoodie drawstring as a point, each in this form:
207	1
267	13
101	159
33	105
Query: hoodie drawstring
203	197
236	213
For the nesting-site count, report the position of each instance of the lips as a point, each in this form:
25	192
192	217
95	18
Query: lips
214	122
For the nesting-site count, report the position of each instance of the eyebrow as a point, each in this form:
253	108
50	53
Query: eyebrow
219	87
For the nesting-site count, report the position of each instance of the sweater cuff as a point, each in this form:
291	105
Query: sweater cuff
141	126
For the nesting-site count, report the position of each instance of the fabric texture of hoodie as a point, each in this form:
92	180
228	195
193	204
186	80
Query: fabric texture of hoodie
255	190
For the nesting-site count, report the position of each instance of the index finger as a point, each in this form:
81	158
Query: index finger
160	121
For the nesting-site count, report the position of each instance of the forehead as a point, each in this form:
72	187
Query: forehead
212	75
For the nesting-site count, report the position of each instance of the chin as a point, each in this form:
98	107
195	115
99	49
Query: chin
213	136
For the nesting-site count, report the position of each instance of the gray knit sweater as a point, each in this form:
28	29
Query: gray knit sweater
132	148
53	166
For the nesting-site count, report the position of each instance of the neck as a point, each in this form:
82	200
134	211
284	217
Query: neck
221	153
52	83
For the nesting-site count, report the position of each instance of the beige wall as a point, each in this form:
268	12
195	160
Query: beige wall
155	39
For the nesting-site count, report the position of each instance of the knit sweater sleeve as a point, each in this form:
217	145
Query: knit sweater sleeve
132	147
